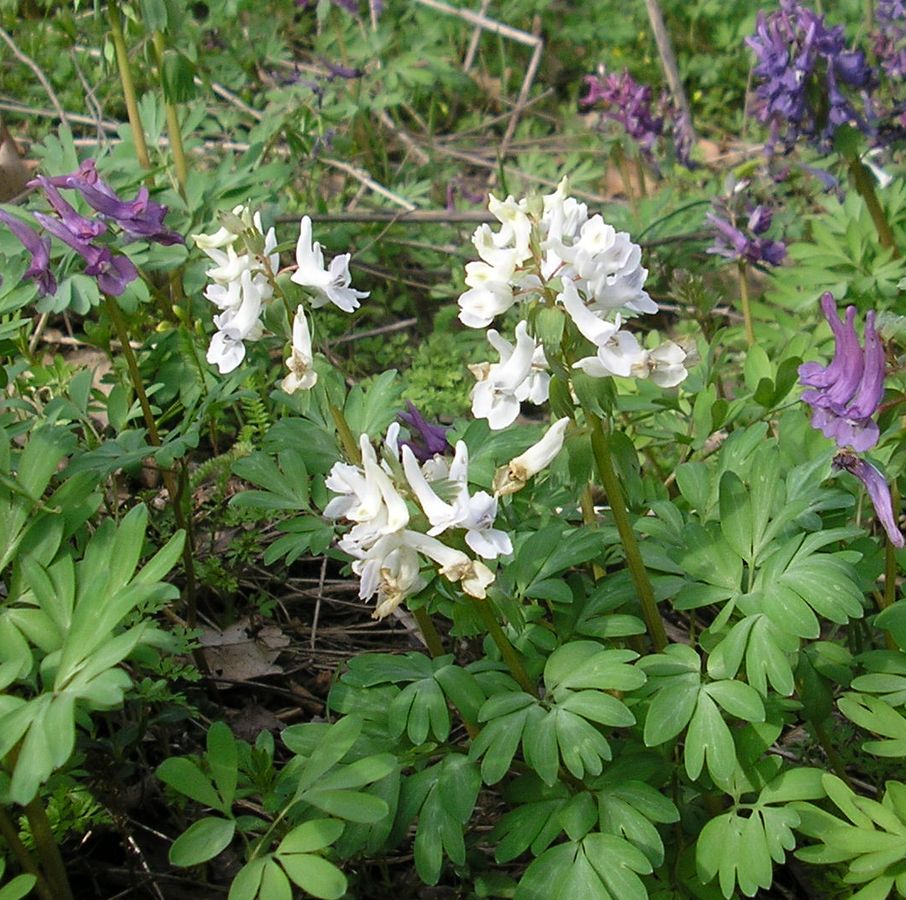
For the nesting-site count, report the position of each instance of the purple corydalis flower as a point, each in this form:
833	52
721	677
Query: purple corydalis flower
745	245
878	493
83	228
627	102
39	248
113	272
427	439
890	37
800	59
847	393
141	218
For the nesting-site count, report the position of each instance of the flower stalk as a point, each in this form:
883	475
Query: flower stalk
746	305
10	834
488	615
173	129
429	631
48	850
611	484
862	181
122	64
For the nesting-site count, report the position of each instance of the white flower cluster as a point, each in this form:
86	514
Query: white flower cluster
240	288
388	550
243	281
554	253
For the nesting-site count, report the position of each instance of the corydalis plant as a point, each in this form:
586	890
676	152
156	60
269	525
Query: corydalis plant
844	397
137	219
244	280
398	510
739	233
554	260
809	83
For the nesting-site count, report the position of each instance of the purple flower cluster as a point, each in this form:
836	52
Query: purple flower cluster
844	396
627	102
138	219
803	66
744	244
890	37
427	439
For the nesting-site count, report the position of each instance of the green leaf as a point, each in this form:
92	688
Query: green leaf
708	738
670	711
202	841
223	758
18	887
352	805
247	882
579	815
539	745
314	875
599	707
274	883
184	776
736	516
738	699
315	834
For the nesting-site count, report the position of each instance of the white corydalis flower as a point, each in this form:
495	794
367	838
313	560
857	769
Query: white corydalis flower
473	575
512	477
301	374
327	285
238	323
496	395
475	513
390	569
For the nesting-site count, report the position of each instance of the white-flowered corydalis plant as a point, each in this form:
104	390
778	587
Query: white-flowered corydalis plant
243	281
399	509
553	254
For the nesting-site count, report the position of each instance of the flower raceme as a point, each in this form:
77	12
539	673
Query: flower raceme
243	281
551	253
399	508
844	396
138	219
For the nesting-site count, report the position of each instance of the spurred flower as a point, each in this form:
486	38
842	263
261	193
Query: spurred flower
328	285
846	394
426	439
140	218
878	492
112	271
39	248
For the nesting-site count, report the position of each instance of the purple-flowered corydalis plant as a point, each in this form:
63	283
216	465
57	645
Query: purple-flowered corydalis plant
137	219
890	37
39	248
744	242
809	82
427	439
844	396
624	100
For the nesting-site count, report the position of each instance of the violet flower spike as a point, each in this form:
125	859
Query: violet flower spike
141	218
847	393
113	272
39	248
83	228
427	439
878	493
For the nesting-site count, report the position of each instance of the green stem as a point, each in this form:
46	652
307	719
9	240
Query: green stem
601	448
173	130
744	299
888	598
122	64
827	745
48	850
429	632
10	834
864	185
489	617
350	445
590	518
170	482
